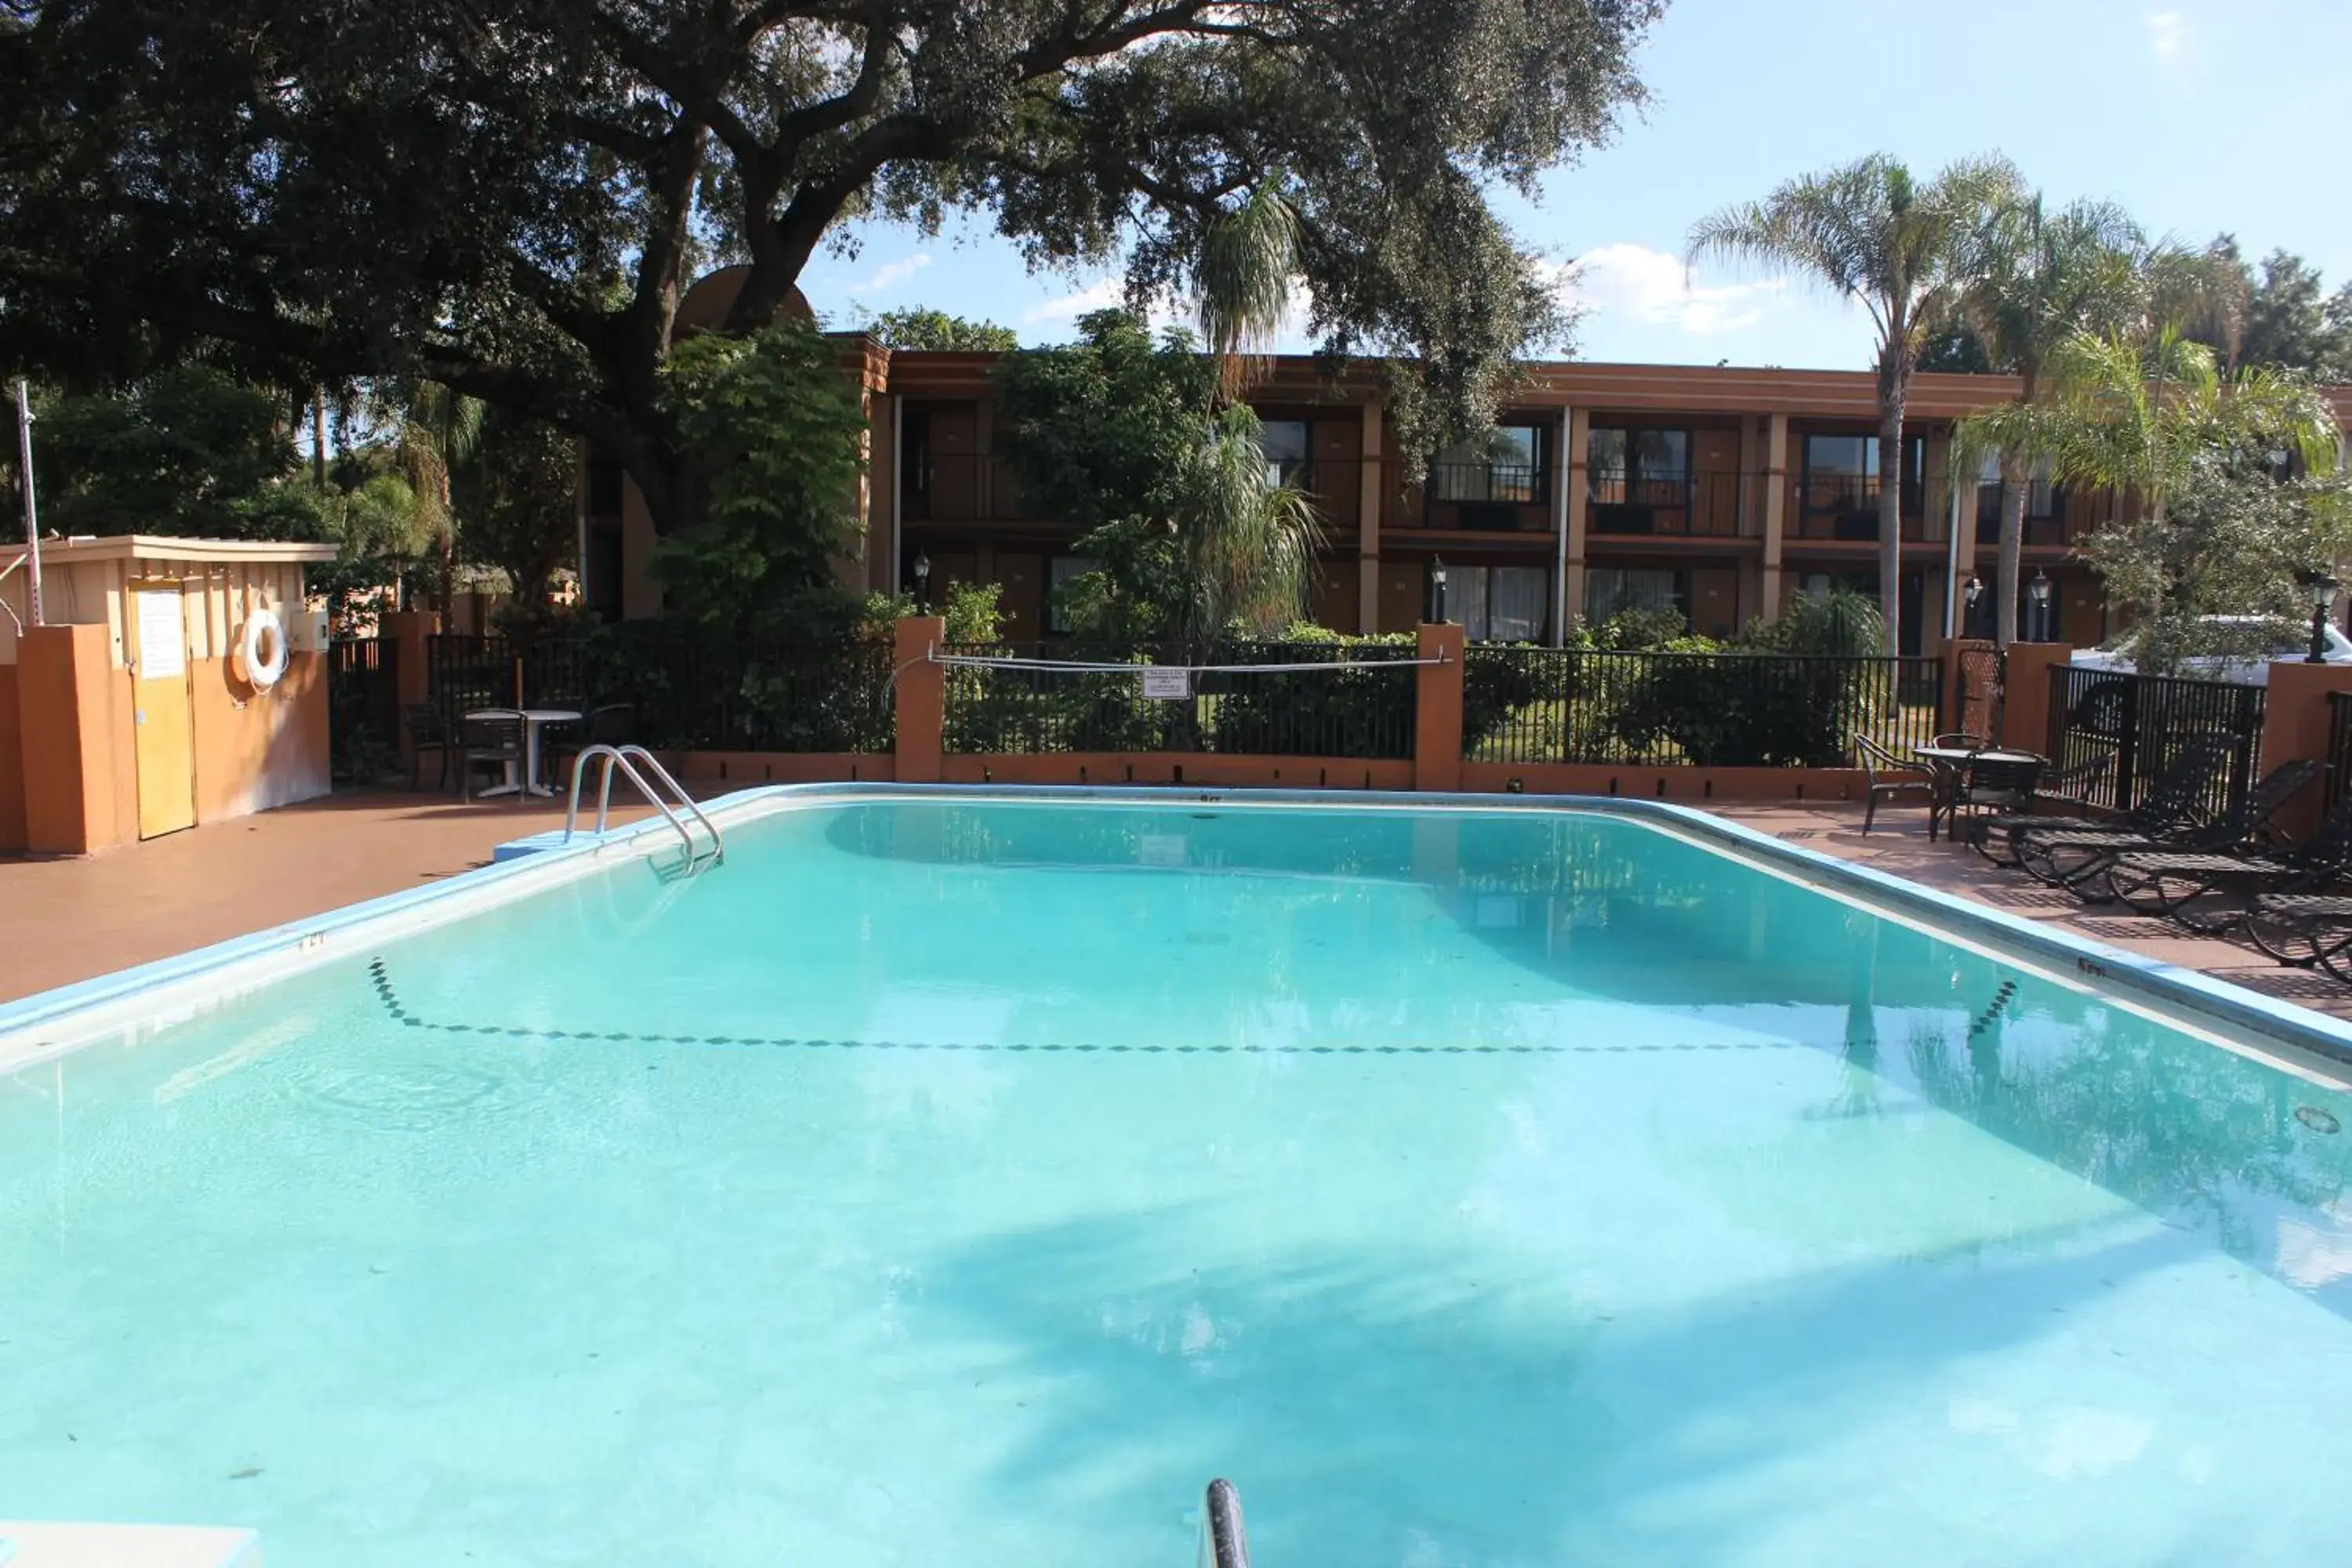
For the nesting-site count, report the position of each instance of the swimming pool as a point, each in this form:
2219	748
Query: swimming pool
953	1178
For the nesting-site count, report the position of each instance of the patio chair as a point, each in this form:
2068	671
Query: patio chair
1992	784
427	731
2165	881
496	742
1879	761
607	725
2174	803
2066	789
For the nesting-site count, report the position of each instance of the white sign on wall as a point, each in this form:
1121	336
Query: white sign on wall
162	644
1166	685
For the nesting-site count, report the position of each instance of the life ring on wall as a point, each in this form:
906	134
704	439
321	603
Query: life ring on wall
261	651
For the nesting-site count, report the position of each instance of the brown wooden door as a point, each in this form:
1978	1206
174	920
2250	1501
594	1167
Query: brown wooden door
163	711
1022	577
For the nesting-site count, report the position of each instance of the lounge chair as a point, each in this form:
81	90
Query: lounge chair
2166	882
2066	790
2302	929
2243	829
2054	850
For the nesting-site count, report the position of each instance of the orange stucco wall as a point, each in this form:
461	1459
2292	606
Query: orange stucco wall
1666	783
1207	768
747	769
258	749
74	716
12	764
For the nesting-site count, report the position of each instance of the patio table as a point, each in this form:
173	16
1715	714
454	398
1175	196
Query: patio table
525	779
1944	765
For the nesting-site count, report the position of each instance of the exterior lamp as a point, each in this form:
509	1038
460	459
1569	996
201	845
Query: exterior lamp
1969	597
1438	588
922	581
2322	588
2037	594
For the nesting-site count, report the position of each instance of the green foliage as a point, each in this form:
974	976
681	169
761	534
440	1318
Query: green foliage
2232	542
1841	622
187	451
775	432
1116	433
971	610
919	327
1902	249
1098	430
520	501
511	206
2039	278
1641	626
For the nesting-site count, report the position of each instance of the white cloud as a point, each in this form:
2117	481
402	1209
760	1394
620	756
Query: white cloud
890	274
2167	33
1100	295
1652	287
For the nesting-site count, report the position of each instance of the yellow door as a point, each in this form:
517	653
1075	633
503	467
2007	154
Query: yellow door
163	711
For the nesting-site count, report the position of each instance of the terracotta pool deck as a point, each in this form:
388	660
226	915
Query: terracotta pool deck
63	920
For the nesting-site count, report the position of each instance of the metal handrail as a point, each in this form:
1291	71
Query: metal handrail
1223	1542
617	759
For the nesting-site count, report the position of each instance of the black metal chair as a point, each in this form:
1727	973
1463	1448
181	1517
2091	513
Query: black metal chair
427	731
493	741
2051	848
1877	761
607	725
1991	781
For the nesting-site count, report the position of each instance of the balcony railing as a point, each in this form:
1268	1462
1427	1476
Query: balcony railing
960	487
1693	505
2063	518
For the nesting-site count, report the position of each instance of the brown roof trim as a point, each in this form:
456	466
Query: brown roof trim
1598	385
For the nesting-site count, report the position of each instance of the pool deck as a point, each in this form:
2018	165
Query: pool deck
64	921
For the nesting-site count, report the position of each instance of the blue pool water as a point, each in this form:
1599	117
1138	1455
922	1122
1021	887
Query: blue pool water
967	1183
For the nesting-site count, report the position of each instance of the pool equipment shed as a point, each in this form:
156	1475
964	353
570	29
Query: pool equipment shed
173	681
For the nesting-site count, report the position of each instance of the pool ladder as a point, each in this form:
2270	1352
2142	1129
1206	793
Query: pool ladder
1223	1542
624	759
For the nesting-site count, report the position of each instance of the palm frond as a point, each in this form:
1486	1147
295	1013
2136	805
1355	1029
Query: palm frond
1248	258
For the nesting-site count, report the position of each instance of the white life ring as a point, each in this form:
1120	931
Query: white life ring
262	653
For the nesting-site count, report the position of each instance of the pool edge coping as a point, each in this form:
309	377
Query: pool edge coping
97	1001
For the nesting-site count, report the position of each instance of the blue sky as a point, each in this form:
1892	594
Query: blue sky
2195	115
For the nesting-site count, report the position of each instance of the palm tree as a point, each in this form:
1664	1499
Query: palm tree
2138	414
1872	232
1248	256
435	432
2039	277
1246	545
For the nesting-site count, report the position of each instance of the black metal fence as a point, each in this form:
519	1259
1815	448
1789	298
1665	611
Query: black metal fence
2339	746
2137	724
1362	709
363	705
1651	709
688	686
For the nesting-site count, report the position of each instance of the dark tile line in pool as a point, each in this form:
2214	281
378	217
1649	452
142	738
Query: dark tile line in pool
400	1014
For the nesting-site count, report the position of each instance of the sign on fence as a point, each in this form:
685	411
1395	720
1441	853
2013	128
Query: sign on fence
1163	684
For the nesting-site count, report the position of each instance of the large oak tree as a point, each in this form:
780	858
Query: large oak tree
510	198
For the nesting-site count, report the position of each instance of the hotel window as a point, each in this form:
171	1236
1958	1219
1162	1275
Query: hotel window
1284	444
2044	499
1504	465
1841	473
1060	571
1499	604
1638	468
1608	589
